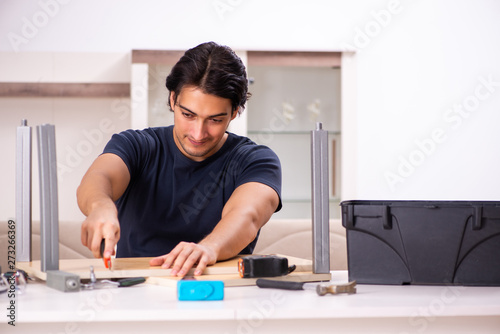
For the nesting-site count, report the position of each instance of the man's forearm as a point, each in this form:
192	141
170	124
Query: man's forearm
231	235
95	190
249	208
104	182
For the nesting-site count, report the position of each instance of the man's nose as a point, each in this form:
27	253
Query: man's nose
199	130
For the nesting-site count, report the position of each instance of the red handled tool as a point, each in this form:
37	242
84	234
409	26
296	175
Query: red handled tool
107	261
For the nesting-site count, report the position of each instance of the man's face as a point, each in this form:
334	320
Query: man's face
200	122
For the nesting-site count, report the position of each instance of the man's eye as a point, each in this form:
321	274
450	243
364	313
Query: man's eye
187	115
216	120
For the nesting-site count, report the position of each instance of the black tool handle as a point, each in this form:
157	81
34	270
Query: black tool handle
101	249
275	284
131	281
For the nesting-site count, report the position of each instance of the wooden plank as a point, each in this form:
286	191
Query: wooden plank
284	58
139	267
166	57
55	89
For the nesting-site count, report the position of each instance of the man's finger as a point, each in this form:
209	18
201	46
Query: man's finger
202	265
108	248
84	235
95	244
193	258
109	245
170	257
157	261
182	257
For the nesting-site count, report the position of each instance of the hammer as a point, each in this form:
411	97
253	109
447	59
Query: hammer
321	289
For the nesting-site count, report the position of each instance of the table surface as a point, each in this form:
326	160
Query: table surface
412	308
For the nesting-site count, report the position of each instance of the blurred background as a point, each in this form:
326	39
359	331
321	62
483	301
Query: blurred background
408	90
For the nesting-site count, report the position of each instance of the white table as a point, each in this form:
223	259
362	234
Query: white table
151	308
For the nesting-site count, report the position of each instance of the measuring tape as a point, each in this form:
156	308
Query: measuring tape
264	266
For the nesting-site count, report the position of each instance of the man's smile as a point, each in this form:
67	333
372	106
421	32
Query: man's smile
196	142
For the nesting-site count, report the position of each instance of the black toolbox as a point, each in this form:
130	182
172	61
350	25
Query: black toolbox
423	242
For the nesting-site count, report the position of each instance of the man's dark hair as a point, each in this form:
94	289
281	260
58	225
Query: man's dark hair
213	68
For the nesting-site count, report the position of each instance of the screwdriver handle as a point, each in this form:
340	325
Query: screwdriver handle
275	284
102	247
131	281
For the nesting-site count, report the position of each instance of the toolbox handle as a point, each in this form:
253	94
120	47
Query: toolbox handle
382	212
386	218
478	216
350	216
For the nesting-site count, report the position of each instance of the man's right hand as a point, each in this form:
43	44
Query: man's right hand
101	223
104	182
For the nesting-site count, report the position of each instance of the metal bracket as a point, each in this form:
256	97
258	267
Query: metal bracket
103	284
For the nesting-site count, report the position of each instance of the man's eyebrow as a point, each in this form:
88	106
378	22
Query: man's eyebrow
186	109
211	116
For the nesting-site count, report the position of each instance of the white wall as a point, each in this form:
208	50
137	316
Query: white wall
417	63
83	125
429	62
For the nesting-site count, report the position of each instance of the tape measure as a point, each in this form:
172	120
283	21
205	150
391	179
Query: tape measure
264	266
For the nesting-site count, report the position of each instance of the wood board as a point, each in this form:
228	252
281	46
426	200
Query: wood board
139	267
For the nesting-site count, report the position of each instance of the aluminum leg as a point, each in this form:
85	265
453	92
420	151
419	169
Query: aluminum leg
320	200
23	193
49	217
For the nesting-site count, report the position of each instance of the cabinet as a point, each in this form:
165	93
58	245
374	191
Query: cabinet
289	97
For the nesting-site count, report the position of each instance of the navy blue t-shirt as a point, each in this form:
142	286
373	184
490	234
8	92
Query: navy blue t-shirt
171	198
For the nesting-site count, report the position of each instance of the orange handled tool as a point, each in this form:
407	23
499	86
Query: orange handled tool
107	261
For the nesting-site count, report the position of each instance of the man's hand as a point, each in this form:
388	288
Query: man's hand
102	223
104	182
184	256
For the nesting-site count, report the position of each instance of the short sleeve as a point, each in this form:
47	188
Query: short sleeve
133	147
261	164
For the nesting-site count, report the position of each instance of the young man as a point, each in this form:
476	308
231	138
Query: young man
189	194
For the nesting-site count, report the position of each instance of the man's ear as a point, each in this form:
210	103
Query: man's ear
172	100
235	113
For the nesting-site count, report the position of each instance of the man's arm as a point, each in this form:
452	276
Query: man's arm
247	210
104	182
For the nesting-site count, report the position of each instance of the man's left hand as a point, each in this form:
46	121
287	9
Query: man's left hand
184	256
